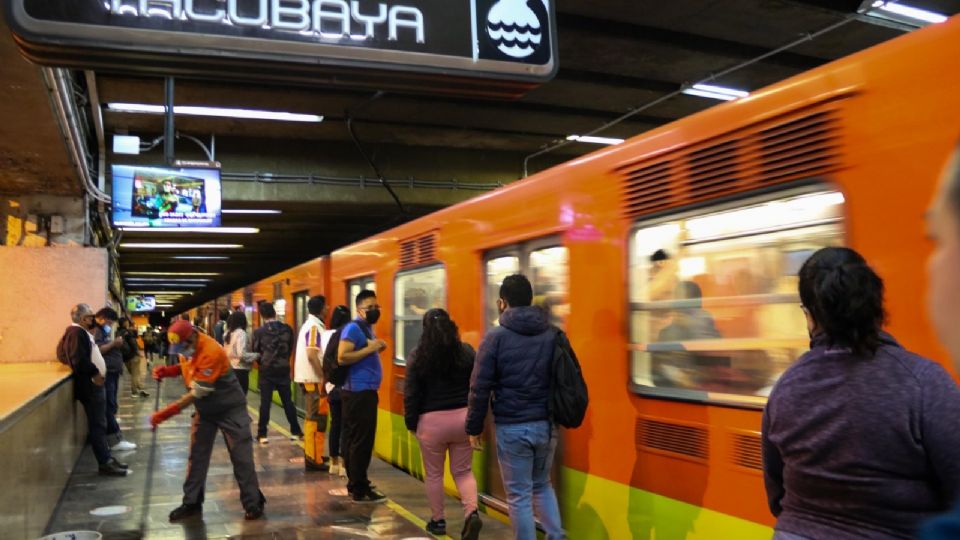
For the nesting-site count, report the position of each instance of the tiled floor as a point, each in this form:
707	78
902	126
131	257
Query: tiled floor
298	506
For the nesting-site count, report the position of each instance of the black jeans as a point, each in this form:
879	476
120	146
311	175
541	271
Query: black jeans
336	421
243	375
359	433
95	407
280	384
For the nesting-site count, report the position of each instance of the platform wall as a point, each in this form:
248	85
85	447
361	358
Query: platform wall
40	285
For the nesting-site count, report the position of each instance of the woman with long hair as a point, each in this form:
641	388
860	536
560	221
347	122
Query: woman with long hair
338	319
859	435
436	388
238	352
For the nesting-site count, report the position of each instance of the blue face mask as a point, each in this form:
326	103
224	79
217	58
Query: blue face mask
106	329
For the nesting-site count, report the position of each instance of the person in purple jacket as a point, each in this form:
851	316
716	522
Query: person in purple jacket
943	223
860	436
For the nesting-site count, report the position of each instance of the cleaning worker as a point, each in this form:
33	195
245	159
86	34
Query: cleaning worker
308	372
221	405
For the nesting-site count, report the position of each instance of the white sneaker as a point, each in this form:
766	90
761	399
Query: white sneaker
123	445
334	469
343	471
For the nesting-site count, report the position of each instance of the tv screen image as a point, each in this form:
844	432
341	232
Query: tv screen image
141	303
165	197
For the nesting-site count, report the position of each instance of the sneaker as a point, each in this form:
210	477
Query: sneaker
437	527
120	464
263	440
335	469
296	438
144	393
343	470
186	510
371	496
318	467
134	395
122	446
471	527
111	468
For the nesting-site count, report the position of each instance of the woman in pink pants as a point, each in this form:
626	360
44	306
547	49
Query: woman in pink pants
435	408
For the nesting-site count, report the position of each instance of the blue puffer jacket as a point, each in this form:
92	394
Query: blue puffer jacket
513	364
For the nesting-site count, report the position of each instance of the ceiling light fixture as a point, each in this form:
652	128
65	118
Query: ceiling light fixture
171	273
201	230
594	140
243	211
900	13
184	280
168	293
201	257
713	91
189	110
162	245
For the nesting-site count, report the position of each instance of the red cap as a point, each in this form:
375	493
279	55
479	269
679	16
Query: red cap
179	332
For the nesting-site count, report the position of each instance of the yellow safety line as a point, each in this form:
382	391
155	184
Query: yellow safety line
390	503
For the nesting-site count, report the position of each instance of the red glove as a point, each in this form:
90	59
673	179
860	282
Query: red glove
161	372
164	414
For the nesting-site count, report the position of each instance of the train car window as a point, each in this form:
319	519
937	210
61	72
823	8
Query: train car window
715	313
354	286
415	292
548	275
497	269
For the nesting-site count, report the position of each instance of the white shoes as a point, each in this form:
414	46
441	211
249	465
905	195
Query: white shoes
334	469
122	446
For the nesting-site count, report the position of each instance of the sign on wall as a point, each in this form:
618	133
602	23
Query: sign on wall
511	40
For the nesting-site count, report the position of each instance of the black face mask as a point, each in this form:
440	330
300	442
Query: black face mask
373	315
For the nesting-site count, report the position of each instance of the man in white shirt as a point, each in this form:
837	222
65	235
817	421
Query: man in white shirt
308	373
78	350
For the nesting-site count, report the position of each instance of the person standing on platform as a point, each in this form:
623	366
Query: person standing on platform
238	350
220	329
360	349
78	350
131	357
308	373
221	406
514	363
943	297
329	343
111	347
274	342
435	391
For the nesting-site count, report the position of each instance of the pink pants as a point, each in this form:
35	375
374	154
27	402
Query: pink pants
438	433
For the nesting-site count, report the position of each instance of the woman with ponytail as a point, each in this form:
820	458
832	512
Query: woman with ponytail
435	408
860	436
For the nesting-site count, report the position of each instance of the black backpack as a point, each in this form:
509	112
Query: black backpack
568	391
333	372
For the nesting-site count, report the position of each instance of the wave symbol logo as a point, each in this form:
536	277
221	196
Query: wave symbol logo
514	28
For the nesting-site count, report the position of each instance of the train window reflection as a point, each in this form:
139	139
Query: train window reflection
354	287
415	292
548	275
497	269
714	305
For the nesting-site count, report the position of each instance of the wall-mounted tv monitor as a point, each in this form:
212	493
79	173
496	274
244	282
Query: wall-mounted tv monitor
165	197
141	303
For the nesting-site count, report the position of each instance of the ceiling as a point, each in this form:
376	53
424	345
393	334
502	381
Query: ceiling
615	56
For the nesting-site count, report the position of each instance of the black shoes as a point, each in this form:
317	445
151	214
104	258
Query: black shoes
437	527
113	468
471	527
186	510
371	496
316	467
144	393
119	464
257	511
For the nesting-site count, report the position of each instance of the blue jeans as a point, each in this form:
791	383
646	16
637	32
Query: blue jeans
111	385
525	452
95	407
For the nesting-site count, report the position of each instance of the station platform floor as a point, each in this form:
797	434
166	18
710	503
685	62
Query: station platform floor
299	505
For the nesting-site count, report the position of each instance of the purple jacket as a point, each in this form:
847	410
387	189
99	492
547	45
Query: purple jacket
857	447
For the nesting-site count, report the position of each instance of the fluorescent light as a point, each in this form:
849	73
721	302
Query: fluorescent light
126	144
215	230
201	257
594	140
242	211
185	280
171	273
169	293
713	91
189	110
168	245
899	12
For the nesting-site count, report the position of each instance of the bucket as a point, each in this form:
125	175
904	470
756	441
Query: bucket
74	535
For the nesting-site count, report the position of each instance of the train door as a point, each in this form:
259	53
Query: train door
354	286
299	317
545	263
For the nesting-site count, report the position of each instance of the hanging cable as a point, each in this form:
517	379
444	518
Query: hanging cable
370	161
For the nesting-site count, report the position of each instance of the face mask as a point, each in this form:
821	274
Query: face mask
106	329
373	315
188	352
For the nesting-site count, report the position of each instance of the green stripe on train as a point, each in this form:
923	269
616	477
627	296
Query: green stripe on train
592	507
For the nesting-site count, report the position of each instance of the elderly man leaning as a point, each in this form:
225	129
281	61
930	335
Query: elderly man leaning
78	350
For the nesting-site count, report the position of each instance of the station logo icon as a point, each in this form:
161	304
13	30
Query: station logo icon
515	30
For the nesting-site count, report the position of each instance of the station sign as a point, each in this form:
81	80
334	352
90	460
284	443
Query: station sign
504	40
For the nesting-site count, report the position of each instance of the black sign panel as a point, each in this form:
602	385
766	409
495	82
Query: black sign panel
511	40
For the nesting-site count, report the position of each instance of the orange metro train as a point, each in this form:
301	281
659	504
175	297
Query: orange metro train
732	199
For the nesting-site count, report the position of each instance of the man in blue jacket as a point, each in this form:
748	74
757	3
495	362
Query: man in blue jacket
513	363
